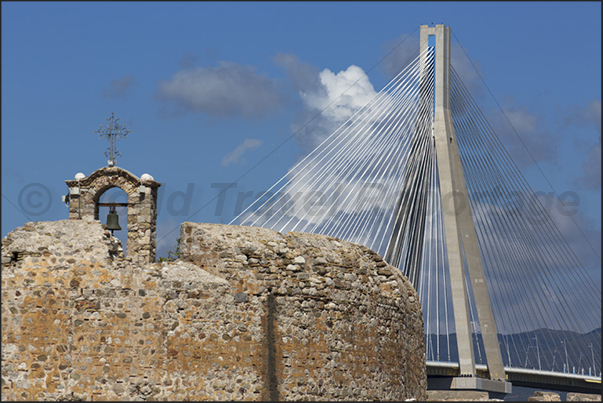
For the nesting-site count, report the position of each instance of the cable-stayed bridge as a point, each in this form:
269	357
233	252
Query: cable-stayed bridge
419	175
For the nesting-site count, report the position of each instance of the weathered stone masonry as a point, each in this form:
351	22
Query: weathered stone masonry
247	314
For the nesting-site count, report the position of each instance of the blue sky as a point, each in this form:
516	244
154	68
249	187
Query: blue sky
211	91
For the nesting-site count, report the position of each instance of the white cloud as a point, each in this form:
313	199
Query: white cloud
527	141
329	99
119	88
593	113
521	119
588	115
591	167
224	91
329	104
591	178
303	76
364	180
346	92
398	53
469	70
236	155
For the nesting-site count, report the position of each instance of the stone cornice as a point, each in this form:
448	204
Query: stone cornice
111	171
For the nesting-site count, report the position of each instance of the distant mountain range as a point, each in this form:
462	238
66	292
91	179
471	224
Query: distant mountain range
522	350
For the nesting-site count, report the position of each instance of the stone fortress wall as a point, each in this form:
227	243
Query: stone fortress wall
246	314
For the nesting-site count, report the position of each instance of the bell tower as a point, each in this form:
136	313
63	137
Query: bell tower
84	202
85	193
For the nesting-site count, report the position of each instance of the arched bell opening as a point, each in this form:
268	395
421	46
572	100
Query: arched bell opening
140	221
111	208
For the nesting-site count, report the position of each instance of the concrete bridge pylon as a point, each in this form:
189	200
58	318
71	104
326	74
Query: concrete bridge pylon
460	234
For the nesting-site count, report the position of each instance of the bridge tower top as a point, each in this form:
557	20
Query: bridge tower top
442	54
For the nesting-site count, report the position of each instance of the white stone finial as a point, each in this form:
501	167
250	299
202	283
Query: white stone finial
79	176
146	177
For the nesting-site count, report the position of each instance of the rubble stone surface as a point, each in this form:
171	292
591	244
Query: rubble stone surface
456	395
540	395
582	397
246	314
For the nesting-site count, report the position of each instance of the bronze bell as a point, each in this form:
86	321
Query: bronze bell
113	220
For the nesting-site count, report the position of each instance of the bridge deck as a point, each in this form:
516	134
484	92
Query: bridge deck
526	377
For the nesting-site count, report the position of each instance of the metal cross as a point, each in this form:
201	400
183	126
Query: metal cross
112	131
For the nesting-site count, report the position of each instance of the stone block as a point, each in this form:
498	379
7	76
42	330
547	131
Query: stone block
582	397
548	396
240	297
456	395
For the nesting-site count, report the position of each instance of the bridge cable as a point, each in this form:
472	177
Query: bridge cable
335	140
483	181
456	120
531	156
